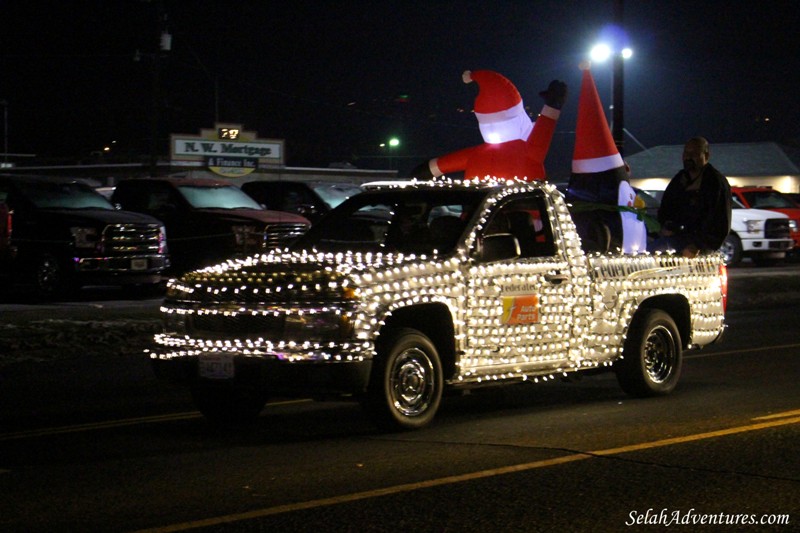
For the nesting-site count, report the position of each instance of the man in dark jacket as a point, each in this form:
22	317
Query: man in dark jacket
695	212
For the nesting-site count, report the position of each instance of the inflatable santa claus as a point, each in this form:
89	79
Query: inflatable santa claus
514	146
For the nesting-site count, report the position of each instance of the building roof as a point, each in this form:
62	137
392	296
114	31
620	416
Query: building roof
732	159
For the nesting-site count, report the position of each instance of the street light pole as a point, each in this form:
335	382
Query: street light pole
618	55
618	115
164	45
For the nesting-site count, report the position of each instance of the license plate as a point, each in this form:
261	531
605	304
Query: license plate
216	366
139	264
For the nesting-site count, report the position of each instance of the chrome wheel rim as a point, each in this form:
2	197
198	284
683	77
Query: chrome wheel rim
412	384
727	252
47	275
660	354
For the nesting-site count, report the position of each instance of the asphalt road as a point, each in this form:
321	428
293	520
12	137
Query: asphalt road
91	442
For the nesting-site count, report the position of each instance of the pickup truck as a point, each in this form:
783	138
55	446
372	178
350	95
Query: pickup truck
399	294
58	234
207	220
763	236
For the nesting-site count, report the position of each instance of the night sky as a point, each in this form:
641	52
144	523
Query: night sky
335	79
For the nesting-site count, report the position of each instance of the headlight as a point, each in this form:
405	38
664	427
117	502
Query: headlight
84	237
162	240
754	226
248	235
793	225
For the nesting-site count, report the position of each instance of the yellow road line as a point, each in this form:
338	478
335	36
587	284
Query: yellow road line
408	487
785	414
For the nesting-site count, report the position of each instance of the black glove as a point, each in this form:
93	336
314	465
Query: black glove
421	172
555	95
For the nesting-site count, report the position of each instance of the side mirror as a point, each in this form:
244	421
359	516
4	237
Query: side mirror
498	247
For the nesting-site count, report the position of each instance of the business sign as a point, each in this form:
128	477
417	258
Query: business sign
227	150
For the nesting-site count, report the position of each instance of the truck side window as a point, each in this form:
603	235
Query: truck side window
526	219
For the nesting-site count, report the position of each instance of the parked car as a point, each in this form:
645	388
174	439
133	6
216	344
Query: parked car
763	236
208	220
771	200
58	234
311	199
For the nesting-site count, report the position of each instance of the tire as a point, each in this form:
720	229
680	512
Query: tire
51	280
652	355
732	250
406	383
227	406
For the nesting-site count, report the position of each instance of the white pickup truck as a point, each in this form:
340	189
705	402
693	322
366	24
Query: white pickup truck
399	294
763	236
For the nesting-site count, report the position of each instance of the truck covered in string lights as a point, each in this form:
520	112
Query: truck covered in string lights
401	293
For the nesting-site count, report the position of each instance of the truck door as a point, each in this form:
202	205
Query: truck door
519	316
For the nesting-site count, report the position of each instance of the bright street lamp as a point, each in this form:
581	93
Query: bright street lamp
600	53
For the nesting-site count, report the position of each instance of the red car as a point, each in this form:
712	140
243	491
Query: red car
208	220
772	200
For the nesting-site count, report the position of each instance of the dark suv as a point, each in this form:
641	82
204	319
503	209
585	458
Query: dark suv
208	220
59	234
311	199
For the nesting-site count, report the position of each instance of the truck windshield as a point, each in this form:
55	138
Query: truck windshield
769	200
336	193
218	198
66	195
418	221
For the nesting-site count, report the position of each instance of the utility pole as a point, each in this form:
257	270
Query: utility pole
164	45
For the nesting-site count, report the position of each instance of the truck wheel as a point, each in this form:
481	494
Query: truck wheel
732	250
227	406
652	355
50	278
406	382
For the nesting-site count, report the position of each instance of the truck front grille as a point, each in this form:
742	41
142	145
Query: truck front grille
280	235
776	228
132	239
241	326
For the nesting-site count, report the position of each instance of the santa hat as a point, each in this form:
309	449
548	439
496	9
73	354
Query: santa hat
597	166
498	99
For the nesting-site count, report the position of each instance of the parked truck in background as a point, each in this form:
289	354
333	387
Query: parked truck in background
763	236
208	220
769	199
58	234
